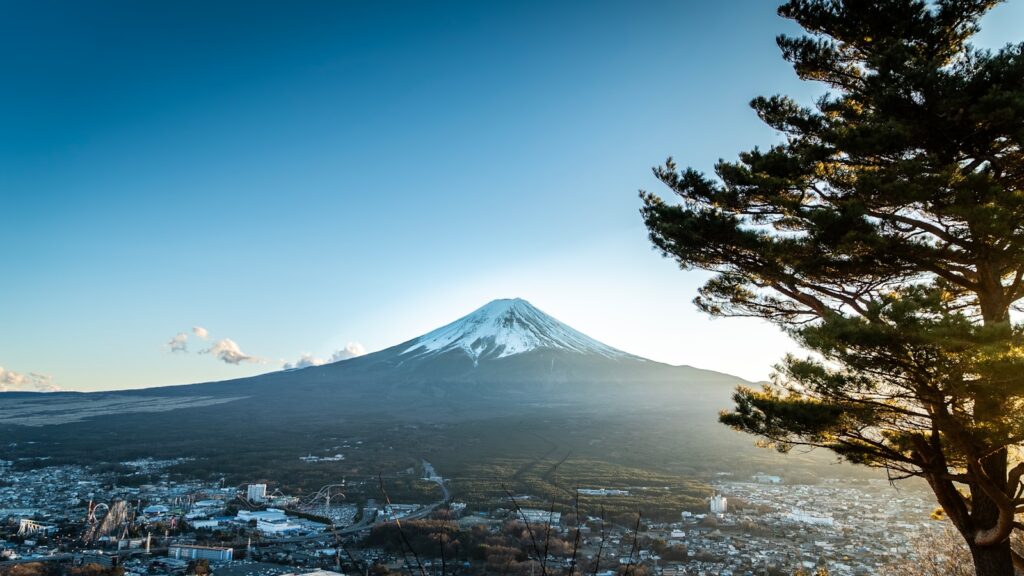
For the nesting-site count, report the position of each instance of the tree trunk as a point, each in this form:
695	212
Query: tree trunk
993	560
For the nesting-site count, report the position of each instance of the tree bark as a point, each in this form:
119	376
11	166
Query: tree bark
993	560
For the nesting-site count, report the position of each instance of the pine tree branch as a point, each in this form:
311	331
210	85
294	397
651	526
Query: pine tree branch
922	225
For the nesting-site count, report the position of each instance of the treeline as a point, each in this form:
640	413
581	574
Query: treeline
553	481
507	549
58	569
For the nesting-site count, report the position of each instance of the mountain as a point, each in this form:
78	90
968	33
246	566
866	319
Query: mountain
506	348
505	383
506	342
505	328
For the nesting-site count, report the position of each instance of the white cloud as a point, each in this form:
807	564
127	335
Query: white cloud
11	381
201	332
179	343
352	350
305	361
228	351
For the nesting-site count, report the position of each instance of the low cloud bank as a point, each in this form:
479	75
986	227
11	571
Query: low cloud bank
11	381
352	350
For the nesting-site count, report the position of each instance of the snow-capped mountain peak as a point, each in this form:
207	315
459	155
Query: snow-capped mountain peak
505	328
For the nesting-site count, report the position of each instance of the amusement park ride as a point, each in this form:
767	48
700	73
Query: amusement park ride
114	520
320	502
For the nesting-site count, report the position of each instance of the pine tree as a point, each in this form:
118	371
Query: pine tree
885	234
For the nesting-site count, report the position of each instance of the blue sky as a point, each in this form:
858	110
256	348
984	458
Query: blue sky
296	177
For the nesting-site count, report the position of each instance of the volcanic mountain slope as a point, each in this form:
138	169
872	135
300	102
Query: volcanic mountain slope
506	381
503	355
507	342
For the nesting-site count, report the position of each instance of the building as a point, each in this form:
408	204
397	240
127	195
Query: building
205	509
277	527
271	521
719	504
131	544
268	515
257	493
193	552
535	516
602	492
156	510
207	523
393	512
98	557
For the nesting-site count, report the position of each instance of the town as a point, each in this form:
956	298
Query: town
70	515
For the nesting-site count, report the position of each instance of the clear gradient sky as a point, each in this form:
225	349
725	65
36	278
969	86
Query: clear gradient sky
298	176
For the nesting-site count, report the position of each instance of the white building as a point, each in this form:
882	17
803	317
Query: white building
277	527
603	492
268	515
399	511
193	552
719	504
271	521
204	523
535	516
257	492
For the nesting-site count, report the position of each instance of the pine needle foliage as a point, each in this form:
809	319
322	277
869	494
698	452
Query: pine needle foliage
885	234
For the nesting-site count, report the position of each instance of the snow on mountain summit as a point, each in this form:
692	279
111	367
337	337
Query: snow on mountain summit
505	328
